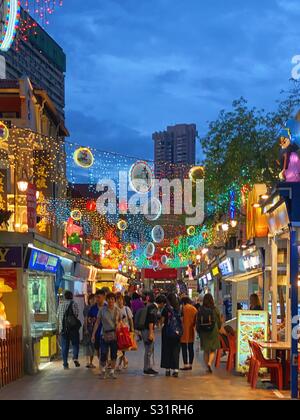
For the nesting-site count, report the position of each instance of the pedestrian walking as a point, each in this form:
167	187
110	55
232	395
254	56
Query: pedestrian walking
100	302
208	325
127	319
171	334
136	303
149	313
189	316
87	333
110	318
68	327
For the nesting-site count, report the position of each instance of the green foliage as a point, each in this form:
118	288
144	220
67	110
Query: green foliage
241	147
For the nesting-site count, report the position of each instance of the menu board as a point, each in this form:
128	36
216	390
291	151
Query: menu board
251	325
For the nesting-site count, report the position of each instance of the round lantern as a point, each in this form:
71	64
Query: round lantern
4	132
158	234
168	250
91	205
196	173
191	230
122	225
152	209
141	177
150	250
76	215
128	249
164	260
83	157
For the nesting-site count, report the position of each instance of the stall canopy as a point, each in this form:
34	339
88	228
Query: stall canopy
244	276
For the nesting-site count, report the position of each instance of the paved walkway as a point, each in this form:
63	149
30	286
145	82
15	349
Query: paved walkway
53	383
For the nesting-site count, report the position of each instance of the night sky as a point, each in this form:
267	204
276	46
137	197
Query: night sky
136	66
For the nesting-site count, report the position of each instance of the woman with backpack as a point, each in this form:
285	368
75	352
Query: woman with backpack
208	326
171	334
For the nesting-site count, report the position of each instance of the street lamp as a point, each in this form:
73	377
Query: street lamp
22	185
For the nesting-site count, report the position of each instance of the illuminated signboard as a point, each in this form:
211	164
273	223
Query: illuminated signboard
251	262
215	271
42	261
251	325
226	267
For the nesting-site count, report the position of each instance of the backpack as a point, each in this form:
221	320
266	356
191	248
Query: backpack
140	319
70	322
174	327
205	320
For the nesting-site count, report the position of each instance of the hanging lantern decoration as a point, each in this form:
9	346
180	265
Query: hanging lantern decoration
122	225
150	250
155	265
91	205
176	242
168	250
141	177
76	215
158	234
196	173
128	249
4	132
191	248
191	230
164	260
83	157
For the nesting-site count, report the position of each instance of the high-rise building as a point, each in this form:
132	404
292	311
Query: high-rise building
42	60
175	150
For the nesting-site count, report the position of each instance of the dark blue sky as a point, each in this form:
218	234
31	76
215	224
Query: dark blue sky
136	66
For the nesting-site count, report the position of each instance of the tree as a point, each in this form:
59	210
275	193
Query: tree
241	147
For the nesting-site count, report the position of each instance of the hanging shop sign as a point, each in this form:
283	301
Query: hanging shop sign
278	219
251	262
226	267
215	271
165	273
42	261
11	257
31	207
141	177
251	325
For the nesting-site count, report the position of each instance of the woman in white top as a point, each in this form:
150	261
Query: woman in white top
126	319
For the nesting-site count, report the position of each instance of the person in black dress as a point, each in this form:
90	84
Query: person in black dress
170	350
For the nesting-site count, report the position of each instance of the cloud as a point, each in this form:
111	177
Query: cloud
135	66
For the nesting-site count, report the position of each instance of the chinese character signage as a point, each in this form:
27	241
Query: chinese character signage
252	325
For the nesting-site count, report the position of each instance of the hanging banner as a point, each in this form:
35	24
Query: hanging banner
31	207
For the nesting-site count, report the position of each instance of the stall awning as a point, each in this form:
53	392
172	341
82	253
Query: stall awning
244	276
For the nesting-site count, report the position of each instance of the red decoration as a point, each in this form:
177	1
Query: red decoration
91	205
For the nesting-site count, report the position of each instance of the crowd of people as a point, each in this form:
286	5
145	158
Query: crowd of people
178	319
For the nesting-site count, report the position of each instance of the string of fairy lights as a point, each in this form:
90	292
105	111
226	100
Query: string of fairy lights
51	160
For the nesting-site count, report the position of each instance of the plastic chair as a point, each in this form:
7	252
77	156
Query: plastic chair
252	362
274	366
224	348
232	353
